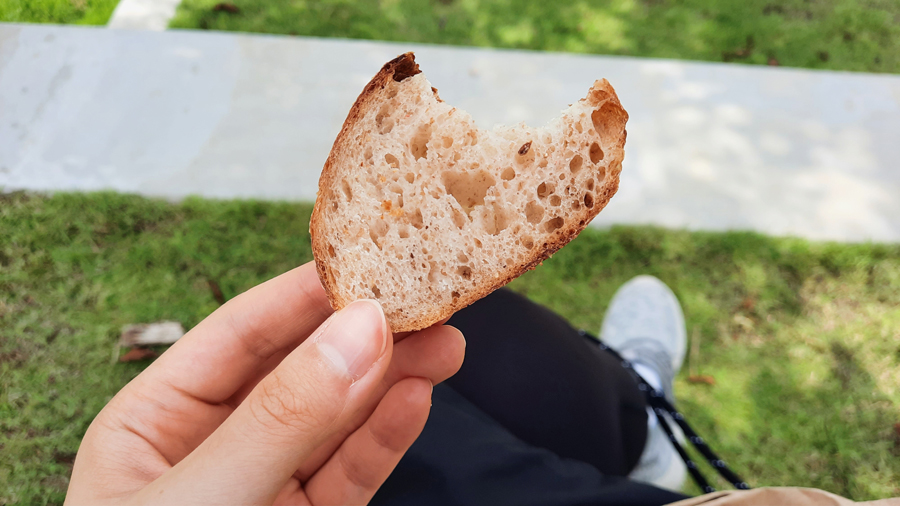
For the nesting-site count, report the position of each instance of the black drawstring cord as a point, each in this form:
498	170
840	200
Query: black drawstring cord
657	400
663	406
691	465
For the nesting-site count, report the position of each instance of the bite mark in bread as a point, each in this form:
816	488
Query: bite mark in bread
420	209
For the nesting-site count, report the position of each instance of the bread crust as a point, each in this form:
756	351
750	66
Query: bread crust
402	67
612	115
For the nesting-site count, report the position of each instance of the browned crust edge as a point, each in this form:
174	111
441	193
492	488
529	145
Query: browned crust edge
405	66
397	69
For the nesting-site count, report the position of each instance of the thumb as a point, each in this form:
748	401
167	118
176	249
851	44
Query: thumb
293	410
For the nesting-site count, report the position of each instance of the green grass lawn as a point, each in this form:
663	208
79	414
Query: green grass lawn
826	34
82	12
802	339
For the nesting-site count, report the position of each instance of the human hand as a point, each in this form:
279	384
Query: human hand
266	401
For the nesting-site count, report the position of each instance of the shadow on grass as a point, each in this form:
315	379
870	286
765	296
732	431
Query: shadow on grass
801	338
834	434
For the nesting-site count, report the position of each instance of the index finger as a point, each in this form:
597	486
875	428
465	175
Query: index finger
214	359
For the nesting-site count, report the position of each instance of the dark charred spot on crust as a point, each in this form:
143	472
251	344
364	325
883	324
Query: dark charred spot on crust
402	66
525	147
434	90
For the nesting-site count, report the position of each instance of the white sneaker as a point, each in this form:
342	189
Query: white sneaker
645	324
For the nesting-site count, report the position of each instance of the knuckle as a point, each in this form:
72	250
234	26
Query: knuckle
284	405
384	440
258	344
356	471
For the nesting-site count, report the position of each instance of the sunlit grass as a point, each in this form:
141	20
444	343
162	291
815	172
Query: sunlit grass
802	339
827	34
84	12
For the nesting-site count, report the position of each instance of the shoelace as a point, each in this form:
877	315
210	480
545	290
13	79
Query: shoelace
652	355
657	400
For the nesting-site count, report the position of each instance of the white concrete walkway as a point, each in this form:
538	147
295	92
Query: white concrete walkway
710	146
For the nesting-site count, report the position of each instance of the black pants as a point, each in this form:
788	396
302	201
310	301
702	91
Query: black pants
538	414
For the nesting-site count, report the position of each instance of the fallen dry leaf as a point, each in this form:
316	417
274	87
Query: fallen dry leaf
748	303
702	378
136	354
151	333
227	7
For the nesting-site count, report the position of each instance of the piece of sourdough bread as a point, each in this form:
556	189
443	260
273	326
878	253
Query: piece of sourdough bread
426	213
